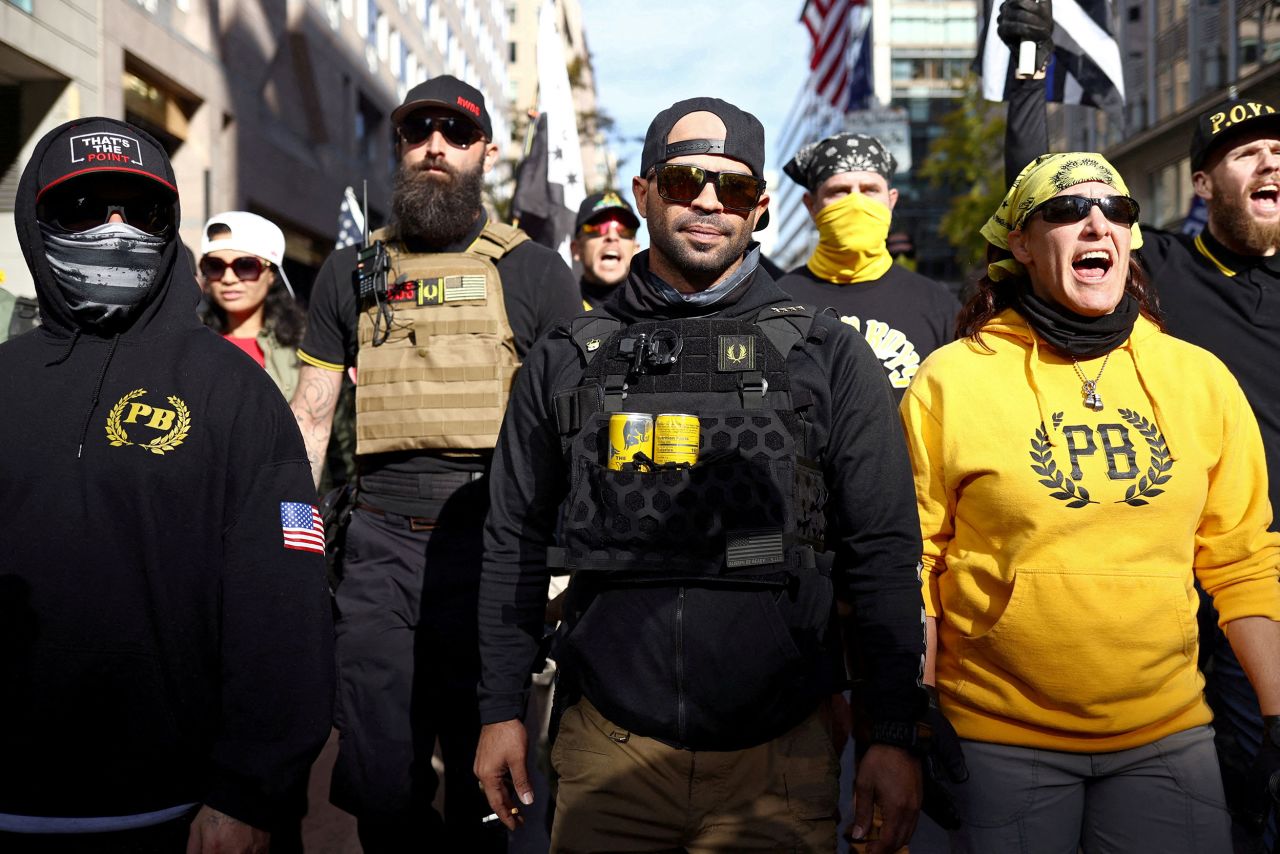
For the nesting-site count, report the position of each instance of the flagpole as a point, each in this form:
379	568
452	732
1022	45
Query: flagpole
530	130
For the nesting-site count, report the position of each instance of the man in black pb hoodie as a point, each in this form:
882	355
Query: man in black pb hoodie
698	647
165	635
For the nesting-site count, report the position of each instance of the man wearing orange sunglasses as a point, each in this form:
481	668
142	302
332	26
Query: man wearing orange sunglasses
604	239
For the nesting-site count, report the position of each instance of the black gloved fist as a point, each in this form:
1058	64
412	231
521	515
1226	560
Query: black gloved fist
945	760
1264	773
1027	21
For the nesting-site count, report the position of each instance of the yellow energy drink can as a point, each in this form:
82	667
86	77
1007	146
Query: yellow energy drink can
629	433
675	438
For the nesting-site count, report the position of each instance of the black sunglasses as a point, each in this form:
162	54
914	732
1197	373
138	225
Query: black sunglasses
1121	210
457	131
678	182
75	212
247	268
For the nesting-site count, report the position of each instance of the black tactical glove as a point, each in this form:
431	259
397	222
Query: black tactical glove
945	759
1264	774
1027	21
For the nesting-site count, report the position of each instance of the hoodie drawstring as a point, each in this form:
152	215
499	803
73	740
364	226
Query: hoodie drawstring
66	353
1162	423
1033	359
97	390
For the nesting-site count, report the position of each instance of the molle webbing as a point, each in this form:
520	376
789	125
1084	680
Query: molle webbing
750	511
442	377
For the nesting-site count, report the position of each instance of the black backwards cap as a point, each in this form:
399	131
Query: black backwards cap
1226	121
97	145
743	138
452	94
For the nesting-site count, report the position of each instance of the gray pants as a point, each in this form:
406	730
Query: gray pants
1165	796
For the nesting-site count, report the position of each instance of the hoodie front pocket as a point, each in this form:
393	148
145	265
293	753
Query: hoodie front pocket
1094	647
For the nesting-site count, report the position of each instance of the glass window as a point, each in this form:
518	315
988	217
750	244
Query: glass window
368	121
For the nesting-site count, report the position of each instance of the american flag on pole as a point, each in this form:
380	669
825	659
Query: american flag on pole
302	527
350	221
830	55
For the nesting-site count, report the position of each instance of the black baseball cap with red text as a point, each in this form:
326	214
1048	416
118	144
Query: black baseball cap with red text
450	93
97	145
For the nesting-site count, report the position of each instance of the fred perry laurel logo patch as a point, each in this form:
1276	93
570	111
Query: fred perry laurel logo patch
168	428
737	353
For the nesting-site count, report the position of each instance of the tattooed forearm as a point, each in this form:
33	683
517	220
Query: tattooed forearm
313	404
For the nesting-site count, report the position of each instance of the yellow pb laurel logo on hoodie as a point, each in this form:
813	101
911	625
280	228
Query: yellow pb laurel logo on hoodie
168	427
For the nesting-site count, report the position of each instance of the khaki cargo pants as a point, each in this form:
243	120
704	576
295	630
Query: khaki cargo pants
622	792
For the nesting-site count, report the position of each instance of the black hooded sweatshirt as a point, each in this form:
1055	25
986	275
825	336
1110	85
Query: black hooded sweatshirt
623	667
158	643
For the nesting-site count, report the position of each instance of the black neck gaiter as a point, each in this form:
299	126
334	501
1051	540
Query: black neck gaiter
1074	334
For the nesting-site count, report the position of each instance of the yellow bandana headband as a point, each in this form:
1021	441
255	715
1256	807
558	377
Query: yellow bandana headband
1042	179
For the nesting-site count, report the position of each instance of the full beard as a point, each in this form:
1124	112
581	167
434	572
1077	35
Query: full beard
700	267
437	209
1231	219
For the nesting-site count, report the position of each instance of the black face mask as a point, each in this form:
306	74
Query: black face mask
1074	334
105	273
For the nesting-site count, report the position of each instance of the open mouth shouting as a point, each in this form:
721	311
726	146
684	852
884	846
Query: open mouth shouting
1264	199
609	259
1093	265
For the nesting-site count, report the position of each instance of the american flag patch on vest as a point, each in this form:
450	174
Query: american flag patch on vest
463	287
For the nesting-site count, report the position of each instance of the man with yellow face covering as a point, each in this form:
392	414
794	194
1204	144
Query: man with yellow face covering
904	316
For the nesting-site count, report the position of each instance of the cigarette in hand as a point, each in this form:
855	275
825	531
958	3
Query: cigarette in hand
493	816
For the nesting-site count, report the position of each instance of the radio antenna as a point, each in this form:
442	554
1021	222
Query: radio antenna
364	203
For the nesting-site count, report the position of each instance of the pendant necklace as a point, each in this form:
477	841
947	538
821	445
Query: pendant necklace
1089	389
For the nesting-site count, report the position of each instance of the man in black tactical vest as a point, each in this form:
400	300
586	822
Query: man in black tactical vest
435	316
698	649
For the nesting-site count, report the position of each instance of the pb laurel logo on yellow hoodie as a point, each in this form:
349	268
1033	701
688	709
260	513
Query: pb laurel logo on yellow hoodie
1060	542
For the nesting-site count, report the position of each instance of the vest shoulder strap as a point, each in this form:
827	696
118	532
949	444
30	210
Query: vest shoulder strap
590	331
785	326
497	239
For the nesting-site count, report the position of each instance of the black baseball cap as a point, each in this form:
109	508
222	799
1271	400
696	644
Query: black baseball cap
97	145
743	138
1227	121
448	92
607	201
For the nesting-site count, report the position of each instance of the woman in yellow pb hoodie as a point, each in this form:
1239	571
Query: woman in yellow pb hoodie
1076	471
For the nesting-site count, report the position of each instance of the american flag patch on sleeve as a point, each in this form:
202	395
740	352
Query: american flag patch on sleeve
302	527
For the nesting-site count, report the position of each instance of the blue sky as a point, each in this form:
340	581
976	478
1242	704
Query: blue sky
651	53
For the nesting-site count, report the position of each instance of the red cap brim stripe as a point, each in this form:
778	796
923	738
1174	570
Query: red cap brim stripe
155	178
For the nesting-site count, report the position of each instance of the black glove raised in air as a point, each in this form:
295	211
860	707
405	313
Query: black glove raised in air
1027	21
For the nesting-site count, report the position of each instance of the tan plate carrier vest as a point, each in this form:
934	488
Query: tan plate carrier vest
442	377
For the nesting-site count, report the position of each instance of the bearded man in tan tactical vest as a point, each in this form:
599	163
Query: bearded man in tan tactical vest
434	315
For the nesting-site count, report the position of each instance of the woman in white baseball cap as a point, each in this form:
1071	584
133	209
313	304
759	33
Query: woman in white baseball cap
251	303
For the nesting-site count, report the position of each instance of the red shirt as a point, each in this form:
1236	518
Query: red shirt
250	346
